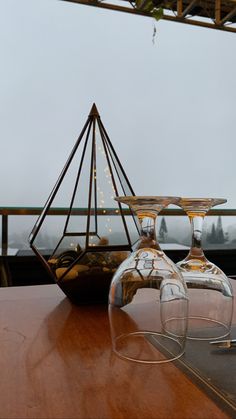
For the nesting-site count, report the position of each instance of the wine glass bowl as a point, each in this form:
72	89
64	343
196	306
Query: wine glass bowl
206	282
148	304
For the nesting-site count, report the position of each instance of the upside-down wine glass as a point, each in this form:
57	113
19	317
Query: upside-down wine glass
148	303
209	289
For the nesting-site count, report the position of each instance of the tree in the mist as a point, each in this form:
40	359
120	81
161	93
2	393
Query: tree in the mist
211	237
220	238
163	230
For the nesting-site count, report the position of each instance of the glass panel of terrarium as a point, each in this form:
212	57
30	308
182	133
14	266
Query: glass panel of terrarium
69	181
123	188
62	197
91	227
69	242
81	194
50	233
111	226
119	172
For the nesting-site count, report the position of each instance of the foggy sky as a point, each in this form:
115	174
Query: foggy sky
168	107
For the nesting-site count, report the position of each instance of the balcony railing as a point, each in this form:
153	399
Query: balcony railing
6	212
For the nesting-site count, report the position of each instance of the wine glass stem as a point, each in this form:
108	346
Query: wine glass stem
197	226
148	230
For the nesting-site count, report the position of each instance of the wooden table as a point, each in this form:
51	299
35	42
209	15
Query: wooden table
56	362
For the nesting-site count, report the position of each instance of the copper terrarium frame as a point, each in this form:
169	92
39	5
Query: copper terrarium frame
88	133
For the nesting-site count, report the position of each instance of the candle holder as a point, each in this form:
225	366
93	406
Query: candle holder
93	234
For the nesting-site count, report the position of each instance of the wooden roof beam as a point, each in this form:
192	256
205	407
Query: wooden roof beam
217	12
177	18
179	8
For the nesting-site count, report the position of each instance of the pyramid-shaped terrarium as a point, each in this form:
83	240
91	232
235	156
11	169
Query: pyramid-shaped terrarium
92	234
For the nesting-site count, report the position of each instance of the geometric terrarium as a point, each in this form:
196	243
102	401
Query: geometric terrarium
93	233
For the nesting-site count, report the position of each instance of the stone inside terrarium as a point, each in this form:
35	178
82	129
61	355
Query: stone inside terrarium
86	276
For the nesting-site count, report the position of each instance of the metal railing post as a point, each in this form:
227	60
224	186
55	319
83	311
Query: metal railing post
4	234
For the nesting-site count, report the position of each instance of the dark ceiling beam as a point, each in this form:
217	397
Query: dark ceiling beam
188	9
228	16
134	11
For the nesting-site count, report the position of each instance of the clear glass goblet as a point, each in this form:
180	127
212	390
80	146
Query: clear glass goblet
148	303
210	291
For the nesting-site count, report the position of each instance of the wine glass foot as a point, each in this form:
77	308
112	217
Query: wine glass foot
203	328
148	347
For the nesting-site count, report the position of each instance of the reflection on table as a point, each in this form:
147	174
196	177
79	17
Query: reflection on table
56	362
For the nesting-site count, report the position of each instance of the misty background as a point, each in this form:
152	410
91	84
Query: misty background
168	105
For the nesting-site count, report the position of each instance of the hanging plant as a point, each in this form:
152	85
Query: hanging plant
149	6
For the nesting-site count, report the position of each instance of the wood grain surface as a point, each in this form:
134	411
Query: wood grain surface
56	362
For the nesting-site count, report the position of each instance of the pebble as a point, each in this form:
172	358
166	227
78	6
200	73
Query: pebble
72	274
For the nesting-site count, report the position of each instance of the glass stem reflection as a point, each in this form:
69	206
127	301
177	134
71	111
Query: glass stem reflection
196	247
147	222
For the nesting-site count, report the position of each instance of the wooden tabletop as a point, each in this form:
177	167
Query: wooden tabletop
56	362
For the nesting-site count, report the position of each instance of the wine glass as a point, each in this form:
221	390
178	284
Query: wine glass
210	291
148	303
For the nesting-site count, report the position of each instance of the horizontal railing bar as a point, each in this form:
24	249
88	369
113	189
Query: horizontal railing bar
102	211
9	211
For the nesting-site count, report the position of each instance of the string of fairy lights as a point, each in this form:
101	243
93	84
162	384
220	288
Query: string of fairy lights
101	195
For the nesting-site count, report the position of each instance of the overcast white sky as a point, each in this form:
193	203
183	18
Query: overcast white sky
169	107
